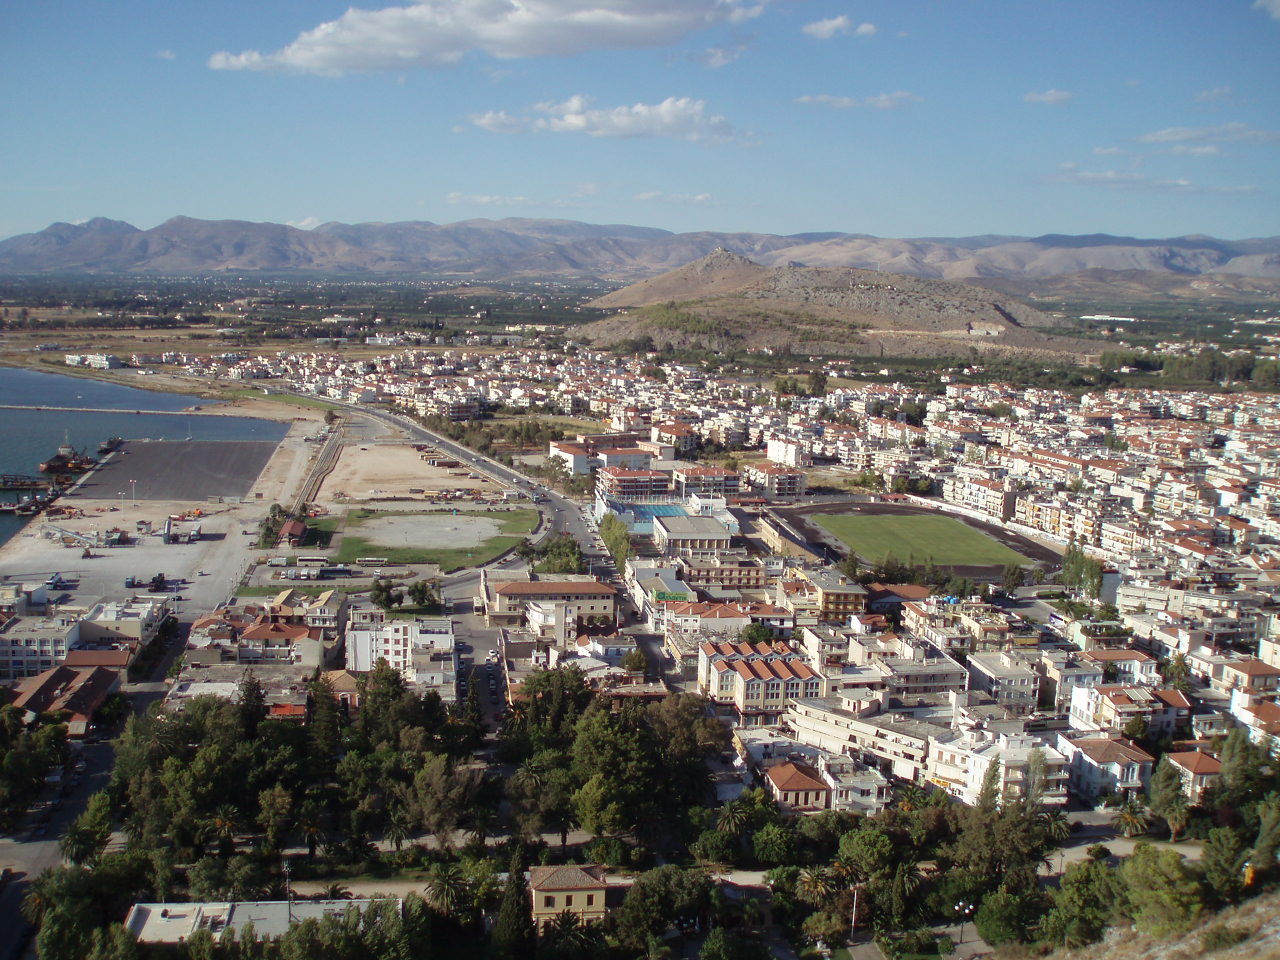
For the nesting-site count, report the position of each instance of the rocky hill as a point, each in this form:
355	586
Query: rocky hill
1254	926
725	302
531	247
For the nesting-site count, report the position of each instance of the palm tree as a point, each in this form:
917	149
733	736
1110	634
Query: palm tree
81	844
912	797
815	887
335	891
446	889
309	826
223	826
1130	819
397	829
1055	825
733	818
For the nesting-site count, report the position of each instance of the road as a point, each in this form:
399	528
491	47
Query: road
33	847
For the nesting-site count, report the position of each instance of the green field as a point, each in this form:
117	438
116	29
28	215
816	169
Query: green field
916	538
515	524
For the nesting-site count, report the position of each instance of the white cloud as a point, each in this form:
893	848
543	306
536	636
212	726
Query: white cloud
306	223
166	55
1049	97
880	101
1197	150
826	29
1223	133
1108	152
439	33
1216	93
676	118
1130	180
678	199
1270	6
722	56
498	121
487	200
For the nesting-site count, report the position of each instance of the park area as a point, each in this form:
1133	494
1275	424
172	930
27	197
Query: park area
447	538
916	538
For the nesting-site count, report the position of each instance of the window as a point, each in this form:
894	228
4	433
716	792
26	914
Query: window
591	899
548	901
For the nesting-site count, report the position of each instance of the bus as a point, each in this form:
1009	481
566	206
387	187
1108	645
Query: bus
312	561
369	561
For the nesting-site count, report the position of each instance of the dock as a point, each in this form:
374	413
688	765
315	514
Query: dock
17	481
59	409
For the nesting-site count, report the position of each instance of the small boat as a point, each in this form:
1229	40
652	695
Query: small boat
106	446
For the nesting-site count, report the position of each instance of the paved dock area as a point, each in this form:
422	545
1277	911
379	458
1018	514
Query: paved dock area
188	470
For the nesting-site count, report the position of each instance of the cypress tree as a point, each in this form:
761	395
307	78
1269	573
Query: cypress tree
513	934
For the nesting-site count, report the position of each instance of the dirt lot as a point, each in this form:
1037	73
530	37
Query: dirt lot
388	471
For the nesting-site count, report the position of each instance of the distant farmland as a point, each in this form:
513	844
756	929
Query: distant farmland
916	538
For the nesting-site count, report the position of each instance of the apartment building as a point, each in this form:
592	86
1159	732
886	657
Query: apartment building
844	725
1110	708
958	762
775	479
1006	677
1105	765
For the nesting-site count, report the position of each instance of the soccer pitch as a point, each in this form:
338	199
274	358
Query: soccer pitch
916	538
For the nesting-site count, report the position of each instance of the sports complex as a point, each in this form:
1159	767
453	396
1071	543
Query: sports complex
913	534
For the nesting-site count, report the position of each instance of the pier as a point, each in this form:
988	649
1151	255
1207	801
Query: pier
17	481
168	413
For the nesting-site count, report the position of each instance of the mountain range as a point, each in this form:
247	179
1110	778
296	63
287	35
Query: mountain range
517	247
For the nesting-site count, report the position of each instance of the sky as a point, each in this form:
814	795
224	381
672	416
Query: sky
901	118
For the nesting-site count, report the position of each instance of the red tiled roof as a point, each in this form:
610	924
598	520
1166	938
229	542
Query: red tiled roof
792	776
540	588
1197	763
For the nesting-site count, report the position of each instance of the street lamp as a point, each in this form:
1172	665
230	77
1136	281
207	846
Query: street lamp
122	500
964	910
133	491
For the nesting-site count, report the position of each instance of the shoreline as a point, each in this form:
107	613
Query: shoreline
174	385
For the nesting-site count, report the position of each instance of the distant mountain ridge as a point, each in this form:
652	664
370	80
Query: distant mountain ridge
517	247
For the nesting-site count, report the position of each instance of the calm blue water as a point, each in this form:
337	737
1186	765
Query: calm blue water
29	436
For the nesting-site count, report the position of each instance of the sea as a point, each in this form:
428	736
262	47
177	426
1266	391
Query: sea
28	437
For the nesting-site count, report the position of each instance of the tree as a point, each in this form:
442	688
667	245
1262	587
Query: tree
816	383
447	888
774	845
1006	916
513	933
1083	905
1164	791
1130	818
1161	894
658	898
251	703
1265	845
1012	578
722	944
635	661
1222	859
422	595
756	633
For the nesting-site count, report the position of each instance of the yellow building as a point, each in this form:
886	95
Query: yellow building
578	890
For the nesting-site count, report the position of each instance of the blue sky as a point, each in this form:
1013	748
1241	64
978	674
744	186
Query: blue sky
907	118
